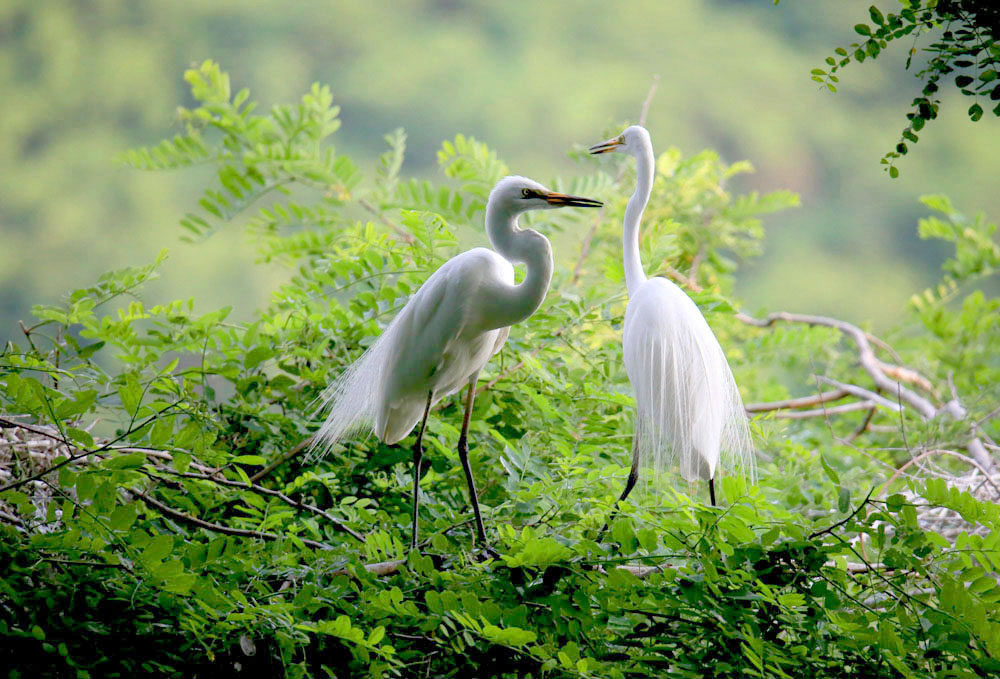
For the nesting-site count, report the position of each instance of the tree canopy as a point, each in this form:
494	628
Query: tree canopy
955	37
159	515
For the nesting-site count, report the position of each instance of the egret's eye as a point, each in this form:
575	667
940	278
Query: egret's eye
621	139
527	193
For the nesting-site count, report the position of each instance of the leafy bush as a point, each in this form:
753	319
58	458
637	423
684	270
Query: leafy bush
159	515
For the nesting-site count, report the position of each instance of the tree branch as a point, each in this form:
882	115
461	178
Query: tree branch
803	402
230	483
851	407
877	370
219	528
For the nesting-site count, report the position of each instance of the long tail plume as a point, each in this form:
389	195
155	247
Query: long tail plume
689	411
350	400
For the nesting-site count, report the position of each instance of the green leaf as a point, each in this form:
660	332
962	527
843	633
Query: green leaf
80	436
844	500
123	517
829	470
256	356
876	15
86	486
862	29
180	583
181	461
158	549
130	394
161	431
130	461
89	350
250	459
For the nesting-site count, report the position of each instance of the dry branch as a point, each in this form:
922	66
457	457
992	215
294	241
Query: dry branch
878	370
802	402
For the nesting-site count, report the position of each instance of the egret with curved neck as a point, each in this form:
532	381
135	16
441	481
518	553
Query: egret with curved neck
688	407
442	338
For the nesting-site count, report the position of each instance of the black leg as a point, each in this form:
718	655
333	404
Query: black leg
463	455
711	490
418	453
633	476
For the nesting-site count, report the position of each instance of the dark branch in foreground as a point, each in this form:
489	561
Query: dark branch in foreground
219	528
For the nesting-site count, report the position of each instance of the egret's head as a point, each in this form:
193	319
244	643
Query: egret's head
634	140
520	194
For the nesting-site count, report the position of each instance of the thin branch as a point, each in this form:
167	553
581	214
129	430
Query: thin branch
301	446
381	568
89	564
337	523
964	458
851	407
11	519
405	235
585	248
686	280
874	368
869	362
850	516
861	392
803	402
863	427
219	528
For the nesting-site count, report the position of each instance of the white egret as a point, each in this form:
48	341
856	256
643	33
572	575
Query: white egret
442	338
688	407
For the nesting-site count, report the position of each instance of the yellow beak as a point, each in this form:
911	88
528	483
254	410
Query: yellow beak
605	146
565	200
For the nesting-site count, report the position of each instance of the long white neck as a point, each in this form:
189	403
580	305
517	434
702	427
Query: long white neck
517	302
634	275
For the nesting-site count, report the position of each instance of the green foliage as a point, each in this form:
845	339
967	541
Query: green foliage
175	532
965	43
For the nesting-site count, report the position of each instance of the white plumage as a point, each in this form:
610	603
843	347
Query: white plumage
689	410
446	333
437	343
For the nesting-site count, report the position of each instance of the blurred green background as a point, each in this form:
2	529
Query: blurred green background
85	80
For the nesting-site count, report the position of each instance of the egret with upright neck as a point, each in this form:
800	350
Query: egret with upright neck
689	410
442	338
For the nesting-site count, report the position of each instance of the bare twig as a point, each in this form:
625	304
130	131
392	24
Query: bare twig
875	369
803	402
923	456
11	519
405	235
219	528
851	407
380	568
866	356
301	446
687	281
861	392
585	248
648	99
863	427
833	527
383	568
